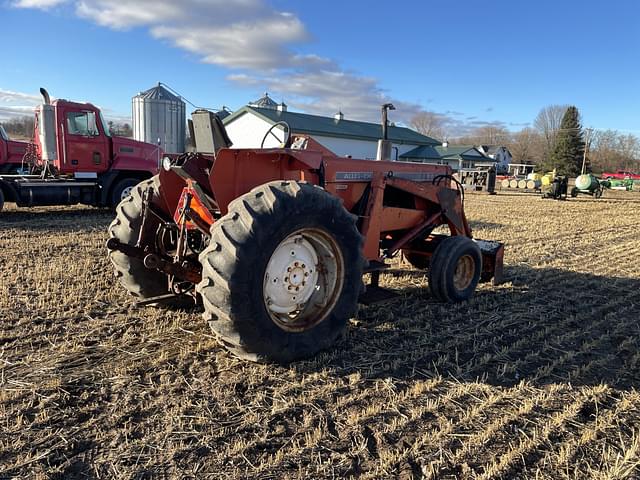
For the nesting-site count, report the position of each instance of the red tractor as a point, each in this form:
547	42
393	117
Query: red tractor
74	159
275	242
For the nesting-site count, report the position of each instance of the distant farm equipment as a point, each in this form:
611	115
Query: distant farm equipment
529	181
621	175
479	179
587	184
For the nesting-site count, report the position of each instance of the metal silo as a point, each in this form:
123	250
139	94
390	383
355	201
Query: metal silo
159	114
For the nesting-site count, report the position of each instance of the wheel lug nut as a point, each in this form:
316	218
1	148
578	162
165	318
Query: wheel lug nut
289	269
296	264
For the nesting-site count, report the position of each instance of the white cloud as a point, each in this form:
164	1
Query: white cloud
245	45
40	4
17	104
258	44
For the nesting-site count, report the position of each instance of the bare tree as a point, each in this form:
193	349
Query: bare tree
526	146
611	150
19	128
430	124
485	135
547	122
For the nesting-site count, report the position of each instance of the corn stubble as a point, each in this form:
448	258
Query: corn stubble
536	378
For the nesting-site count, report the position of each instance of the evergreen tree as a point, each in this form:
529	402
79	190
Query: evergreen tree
568	151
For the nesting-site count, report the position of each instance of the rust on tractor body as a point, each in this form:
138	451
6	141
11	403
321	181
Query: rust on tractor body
397	203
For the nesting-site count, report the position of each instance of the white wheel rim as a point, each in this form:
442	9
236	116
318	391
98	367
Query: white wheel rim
126	192
303	280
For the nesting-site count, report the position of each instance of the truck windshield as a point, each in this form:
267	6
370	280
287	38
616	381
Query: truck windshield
82	123
3	134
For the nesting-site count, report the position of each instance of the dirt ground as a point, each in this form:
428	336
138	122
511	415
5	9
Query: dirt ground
536	378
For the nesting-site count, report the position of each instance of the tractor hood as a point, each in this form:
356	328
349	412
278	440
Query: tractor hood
129	154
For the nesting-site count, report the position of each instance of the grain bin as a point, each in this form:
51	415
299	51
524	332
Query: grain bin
159	114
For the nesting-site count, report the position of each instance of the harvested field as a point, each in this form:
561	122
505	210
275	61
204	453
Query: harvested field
536	378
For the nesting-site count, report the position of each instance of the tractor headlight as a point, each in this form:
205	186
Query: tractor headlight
166	163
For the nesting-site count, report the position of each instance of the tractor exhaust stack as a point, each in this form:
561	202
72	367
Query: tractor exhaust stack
384	144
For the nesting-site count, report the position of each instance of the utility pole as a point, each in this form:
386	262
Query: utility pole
586	147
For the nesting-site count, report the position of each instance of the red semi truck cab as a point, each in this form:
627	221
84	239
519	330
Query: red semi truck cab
75	137
78	160
11	153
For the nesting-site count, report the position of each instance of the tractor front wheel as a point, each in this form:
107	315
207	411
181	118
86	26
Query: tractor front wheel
455	270
133	275
282	273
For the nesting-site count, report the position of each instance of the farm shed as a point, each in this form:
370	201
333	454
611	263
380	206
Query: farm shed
456	156
247	126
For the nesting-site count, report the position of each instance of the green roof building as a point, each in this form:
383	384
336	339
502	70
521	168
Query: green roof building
247	126
456	156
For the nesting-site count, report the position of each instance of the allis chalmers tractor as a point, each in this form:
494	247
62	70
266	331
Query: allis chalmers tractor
275	241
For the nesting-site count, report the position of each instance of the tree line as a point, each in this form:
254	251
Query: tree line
23	127
556	139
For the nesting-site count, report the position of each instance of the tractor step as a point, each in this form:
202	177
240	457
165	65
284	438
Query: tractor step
374	295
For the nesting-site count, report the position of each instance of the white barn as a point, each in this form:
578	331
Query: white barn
247	126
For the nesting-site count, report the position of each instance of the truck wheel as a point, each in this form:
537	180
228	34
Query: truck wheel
455	269
122	190
131	272
574	192
282	273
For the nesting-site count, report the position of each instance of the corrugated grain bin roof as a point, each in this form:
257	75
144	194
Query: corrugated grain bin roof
159	93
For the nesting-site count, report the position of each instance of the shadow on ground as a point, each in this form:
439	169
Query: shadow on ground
543	326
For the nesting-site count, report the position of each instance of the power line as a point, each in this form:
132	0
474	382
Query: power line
191	103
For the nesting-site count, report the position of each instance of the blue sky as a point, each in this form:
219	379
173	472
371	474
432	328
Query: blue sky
473	62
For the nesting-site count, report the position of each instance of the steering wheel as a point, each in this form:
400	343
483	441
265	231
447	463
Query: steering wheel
287	134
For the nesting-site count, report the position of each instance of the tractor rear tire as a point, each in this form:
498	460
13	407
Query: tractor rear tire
456	265
140	281
249	283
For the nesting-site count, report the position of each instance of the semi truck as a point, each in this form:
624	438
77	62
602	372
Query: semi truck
74	159
11	153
